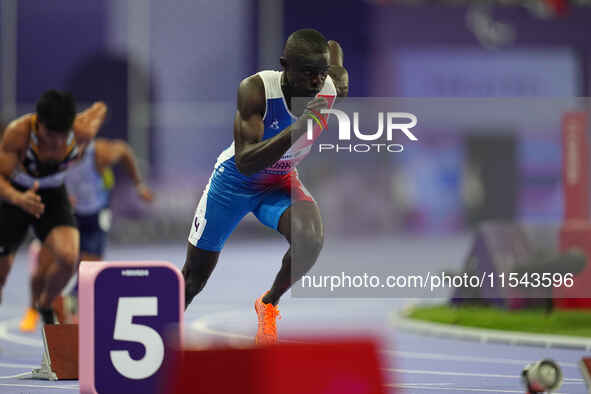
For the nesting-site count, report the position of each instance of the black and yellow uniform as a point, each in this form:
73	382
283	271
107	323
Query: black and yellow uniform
50	176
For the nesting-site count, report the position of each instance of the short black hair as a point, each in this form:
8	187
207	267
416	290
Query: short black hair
305	41
56	110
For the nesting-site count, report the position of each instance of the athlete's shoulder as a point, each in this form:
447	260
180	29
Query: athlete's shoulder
269	76
16	134
252	83
251	93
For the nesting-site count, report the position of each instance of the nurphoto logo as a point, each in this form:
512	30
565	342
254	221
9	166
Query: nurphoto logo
396	123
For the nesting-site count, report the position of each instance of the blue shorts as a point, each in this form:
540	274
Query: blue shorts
93	231
225	202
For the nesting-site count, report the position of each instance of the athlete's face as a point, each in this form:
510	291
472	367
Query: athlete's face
52	140
306	73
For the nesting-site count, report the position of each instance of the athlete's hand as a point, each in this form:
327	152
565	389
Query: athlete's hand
316	104
30	202
144	192
340	78
313	111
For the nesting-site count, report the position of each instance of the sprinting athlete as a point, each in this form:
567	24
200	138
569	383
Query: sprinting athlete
257	172
35	152
88	183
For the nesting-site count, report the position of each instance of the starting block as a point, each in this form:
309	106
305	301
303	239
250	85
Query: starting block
60	353
127	313
331	366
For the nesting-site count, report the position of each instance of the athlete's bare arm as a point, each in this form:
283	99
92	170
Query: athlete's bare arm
337	72
13	144
252	154
88	122
109	153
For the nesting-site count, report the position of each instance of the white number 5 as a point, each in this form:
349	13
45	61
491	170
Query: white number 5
125	330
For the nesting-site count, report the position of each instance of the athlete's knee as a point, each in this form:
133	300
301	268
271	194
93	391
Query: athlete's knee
67	258
309	239
314	242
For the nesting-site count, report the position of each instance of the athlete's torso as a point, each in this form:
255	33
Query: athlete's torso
49	173
86	184
277	117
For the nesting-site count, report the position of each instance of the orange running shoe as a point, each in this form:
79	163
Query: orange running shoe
29	321
267	315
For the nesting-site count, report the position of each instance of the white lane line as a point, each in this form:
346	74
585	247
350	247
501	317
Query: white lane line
483	335
40	386
5	335
420	384
448	357
473	374
9	365
201	326
18	375
455	389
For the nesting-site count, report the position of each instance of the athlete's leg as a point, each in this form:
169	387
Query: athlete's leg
43	258
93	230
293	212
39	276
198	267
71	288
218	213
301	225
14	223
57	230
93	241
5	266
63	242
34	268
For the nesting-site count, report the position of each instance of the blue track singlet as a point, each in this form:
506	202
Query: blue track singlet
231	195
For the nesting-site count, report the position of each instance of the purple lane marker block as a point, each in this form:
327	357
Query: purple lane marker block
126	313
